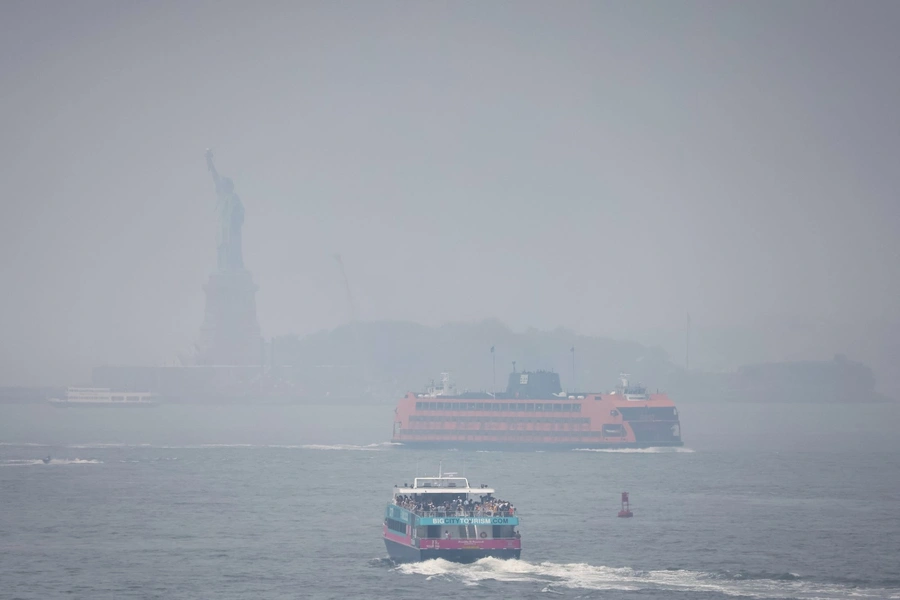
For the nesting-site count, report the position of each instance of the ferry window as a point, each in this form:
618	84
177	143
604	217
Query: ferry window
418	406
479	406
396	526
567	408
472	406
530	406
498	406
440	406
539	407
557	407
503	531
576	407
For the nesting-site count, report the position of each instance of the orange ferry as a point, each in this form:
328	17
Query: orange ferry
534	413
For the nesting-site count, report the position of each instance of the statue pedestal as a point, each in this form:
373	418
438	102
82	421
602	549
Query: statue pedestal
230	333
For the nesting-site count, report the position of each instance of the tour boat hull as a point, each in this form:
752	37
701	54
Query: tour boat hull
402	553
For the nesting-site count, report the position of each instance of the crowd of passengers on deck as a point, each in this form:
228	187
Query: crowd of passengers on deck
458	507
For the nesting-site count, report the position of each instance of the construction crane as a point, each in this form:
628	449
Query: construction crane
350	301
353	322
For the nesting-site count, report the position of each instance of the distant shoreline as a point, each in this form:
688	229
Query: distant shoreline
31	399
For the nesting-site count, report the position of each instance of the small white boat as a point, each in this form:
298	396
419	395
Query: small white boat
83	396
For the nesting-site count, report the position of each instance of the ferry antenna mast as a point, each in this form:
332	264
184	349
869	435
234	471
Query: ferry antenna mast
494	380
574	386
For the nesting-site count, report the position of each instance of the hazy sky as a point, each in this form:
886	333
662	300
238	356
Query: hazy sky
605	166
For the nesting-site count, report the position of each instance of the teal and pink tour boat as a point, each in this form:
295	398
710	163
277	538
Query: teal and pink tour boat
444	517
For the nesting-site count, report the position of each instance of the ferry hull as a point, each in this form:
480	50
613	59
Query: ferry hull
402	553
530	447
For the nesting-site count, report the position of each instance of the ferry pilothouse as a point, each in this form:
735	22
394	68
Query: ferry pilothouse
444	517
535	413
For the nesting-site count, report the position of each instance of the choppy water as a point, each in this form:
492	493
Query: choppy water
194	502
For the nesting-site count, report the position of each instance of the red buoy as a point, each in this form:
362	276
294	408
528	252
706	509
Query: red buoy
626	510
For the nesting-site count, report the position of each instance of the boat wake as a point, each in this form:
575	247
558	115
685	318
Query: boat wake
111	445
31	444
53	461
102	445
368	447
556	577
661	450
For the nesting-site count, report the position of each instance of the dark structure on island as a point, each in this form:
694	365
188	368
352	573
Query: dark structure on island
231	362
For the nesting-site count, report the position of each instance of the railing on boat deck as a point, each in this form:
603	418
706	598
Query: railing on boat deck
460	513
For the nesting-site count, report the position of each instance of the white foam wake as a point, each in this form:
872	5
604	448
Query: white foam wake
589	577
23	444
102	445
110	445
661	450
368	447
27	462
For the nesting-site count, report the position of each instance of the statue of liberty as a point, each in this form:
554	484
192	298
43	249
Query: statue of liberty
231	217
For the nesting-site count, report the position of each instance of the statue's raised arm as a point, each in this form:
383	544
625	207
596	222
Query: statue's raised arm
231	218
212	168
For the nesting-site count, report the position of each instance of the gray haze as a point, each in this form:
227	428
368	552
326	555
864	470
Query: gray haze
606	167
